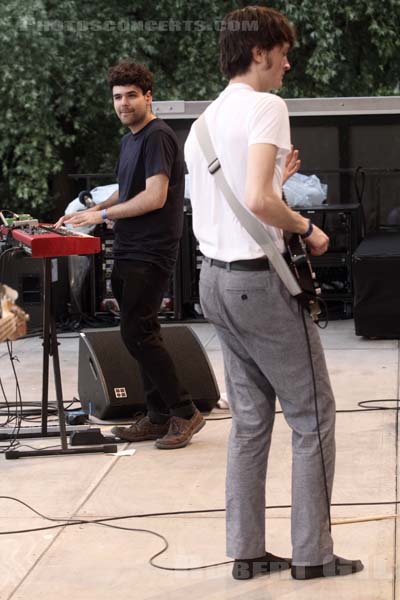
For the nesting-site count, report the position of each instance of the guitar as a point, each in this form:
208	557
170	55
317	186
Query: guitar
12	318
301	268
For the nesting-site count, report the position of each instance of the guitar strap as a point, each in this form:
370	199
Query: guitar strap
248	221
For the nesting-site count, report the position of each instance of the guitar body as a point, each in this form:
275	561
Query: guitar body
301	268
12	318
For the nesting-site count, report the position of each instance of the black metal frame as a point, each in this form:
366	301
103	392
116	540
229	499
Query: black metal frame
50	348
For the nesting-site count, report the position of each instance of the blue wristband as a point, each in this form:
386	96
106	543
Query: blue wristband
309	230
104	214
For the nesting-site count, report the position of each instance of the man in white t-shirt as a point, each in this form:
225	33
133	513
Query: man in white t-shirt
262	329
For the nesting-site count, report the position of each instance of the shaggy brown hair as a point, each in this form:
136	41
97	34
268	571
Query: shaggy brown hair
246	28
128	72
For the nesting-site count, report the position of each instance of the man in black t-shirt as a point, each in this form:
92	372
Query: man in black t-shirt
152	236
148	214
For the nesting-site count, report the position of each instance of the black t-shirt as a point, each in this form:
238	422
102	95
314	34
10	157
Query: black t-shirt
154	236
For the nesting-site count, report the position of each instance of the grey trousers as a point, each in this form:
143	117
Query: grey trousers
263	341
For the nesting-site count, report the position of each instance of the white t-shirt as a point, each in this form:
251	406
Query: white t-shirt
239	117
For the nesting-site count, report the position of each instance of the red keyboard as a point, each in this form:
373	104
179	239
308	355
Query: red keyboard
44	241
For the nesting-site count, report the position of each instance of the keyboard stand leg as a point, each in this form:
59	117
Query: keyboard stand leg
50	348
46	341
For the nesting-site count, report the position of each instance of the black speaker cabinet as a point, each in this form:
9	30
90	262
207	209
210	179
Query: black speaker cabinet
25	274
109	381
376	265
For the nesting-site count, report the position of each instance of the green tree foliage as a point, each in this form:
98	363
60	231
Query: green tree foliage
344	48
53	97
57	115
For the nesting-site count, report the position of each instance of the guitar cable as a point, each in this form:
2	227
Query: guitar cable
103	522
314	383
106	522
326	313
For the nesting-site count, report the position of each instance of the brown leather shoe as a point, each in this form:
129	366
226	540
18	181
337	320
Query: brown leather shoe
141	430
181	431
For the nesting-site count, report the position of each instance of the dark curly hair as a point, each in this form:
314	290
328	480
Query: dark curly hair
127	72
246	28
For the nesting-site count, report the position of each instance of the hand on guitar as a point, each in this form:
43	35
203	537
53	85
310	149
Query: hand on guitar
292	164
317	242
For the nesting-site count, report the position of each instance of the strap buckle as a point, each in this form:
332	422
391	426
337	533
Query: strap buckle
214	166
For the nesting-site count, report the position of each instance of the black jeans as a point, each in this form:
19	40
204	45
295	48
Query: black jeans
139	287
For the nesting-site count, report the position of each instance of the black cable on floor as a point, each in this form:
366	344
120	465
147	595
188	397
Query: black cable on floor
18	401
7	403
106	523
362	404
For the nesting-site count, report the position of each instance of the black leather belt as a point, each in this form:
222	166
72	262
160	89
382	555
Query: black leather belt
254	264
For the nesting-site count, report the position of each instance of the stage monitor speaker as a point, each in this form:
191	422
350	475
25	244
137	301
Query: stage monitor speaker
376	264
109	381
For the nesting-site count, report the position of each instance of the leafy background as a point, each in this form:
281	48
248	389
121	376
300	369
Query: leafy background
57	116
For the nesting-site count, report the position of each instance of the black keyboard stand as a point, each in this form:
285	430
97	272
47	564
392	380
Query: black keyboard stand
50	348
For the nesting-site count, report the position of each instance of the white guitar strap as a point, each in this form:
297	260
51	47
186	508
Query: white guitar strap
250	223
